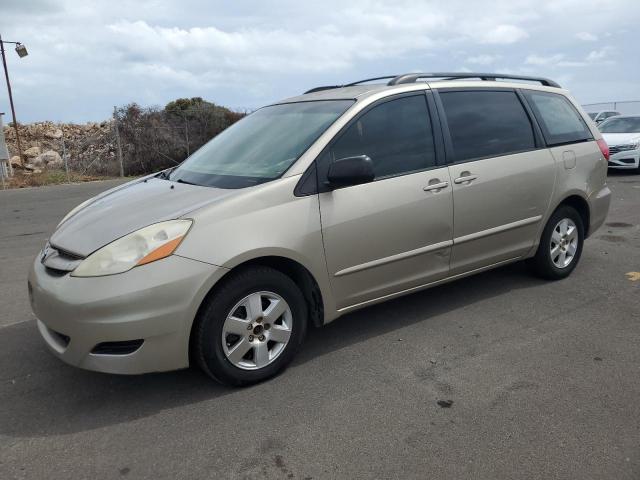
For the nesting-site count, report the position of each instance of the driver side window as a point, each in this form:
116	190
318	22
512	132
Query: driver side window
396	135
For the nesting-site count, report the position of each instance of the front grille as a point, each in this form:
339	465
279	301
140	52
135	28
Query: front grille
620	148
117	348
58	261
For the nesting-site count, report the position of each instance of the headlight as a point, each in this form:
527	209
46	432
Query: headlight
138	248
74	211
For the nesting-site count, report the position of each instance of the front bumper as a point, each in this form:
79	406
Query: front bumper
627	159
155	303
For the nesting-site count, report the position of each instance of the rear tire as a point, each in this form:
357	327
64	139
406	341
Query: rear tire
250	328
560	245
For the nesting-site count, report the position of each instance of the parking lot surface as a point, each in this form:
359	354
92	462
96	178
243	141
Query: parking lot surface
544	380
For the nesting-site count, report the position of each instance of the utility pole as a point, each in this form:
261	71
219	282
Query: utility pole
115	120
4	155
22	52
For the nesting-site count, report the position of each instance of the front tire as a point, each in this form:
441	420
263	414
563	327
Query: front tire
250	328
560	245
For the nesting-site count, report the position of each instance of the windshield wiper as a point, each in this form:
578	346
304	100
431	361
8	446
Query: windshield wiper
165	174
184	181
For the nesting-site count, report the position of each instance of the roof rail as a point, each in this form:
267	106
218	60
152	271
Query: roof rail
331	87
319	89
369	80
413	77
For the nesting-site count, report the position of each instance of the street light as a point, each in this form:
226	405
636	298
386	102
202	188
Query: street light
21	50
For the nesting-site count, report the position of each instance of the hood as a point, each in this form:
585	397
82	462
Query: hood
128	208
620	138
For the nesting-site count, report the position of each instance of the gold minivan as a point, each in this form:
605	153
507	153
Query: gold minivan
316	206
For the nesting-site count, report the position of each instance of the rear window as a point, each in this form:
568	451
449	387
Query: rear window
486	124
559	120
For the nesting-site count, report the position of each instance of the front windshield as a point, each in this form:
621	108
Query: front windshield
593	116
621	125
261	146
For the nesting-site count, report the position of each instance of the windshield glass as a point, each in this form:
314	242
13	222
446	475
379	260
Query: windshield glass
621	125
593	116
261	146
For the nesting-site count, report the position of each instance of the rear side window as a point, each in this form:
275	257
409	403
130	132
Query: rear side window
559	120
396	135
486	124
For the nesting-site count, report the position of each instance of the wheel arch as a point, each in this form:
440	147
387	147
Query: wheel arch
293	269
299	274
581	205
574	199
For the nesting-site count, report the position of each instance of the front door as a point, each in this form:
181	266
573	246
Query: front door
394	233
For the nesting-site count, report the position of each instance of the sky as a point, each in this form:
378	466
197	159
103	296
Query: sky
87	56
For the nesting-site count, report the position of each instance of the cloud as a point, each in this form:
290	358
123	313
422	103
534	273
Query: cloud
204	49
504	34
600	54
483	59
557	59
586	37
85	57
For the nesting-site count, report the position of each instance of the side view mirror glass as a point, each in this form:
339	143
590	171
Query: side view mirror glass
350	171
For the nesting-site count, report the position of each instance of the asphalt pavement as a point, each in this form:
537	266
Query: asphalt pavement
500	375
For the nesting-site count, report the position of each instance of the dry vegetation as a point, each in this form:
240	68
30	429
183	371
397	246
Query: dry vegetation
152	139
47	177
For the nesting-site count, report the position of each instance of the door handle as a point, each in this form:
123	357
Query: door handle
436	186
468	178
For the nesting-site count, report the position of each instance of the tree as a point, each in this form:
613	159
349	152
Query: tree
155	138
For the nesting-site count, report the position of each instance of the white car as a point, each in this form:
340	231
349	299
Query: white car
622	134
599	117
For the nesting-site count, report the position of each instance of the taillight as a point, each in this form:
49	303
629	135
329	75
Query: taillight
604	148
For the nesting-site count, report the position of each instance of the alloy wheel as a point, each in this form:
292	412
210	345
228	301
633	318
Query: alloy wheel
257	330
564	243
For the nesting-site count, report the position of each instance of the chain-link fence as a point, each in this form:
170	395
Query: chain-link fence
134	142
628	107
59	153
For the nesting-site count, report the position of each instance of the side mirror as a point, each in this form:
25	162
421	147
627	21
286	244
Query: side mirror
350	171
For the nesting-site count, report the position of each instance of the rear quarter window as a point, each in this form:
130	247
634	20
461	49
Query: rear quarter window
559	120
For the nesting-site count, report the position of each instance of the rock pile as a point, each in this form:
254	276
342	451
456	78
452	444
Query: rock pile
44	145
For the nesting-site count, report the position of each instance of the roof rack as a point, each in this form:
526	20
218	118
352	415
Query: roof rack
331	87
319	89
413	77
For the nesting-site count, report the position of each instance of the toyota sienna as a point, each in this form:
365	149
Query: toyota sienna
314	207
